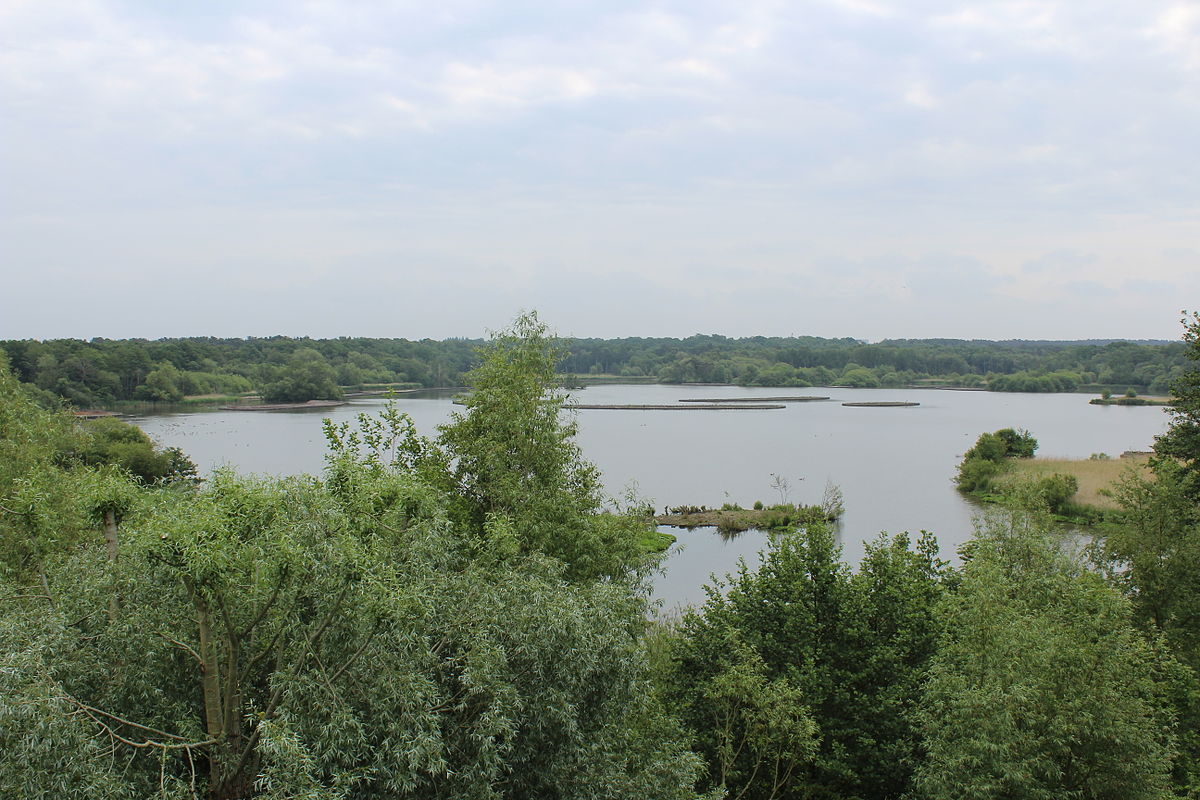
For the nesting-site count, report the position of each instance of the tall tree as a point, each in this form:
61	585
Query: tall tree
1042	687
517	468
1182	439
849	651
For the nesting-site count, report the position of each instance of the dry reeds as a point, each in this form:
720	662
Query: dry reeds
1093	474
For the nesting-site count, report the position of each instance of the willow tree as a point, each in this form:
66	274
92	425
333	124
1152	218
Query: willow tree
335	637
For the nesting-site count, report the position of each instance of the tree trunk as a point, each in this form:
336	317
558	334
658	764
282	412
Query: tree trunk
210	681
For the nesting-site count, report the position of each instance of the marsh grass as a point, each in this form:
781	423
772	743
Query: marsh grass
1093	475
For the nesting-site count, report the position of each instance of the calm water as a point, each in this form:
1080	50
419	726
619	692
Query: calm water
894	465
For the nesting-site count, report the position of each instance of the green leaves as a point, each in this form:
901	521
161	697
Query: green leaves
1042	688
804	637
513	454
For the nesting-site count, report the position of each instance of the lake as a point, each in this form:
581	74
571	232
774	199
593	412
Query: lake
893	465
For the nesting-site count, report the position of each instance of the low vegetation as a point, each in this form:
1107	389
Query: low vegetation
1094	477
781	517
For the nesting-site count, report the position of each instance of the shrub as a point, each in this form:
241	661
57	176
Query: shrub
976	474
988	447
1019	443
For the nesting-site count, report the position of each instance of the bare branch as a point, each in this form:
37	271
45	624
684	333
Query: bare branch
184	647
177	743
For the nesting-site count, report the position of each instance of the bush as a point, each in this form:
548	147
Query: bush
1052	492
988	447
976	474
1019	443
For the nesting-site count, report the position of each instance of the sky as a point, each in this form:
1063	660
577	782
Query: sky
833	168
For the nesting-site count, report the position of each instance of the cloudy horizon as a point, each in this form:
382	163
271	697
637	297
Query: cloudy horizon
998	170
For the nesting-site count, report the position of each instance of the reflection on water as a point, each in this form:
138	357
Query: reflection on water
894	465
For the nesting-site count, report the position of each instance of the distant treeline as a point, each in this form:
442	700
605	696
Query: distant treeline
103	370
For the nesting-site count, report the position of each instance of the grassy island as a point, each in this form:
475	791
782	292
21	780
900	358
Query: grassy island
733	518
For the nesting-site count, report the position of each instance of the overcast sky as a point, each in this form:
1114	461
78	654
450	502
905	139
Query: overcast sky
854	168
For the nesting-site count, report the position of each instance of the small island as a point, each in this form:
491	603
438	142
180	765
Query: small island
883	404
780	399
732	518
1130	398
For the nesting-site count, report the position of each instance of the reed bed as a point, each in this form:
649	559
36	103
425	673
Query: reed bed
1093	475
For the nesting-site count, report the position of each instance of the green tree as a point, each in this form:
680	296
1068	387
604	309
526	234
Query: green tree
39	510
848	650
320	638
162	385
307	376
1153	556
1182	439
1042	687
517	468
110	441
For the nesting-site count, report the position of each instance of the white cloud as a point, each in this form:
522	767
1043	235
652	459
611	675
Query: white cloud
691	146
1177	30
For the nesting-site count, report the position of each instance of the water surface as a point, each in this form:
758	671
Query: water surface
893	465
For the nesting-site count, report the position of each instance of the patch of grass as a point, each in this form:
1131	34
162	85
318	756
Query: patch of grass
1093	475
654	541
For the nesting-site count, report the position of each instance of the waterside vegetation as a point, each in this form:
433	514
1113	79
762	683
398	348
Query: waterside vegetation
466	616
284	369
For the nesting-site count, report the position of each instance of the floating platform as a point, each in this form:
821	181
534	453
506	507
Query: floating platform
884	404
287	406
692	407
785	399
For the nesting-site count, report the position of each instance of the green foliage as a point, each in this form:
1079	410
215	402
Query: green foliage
161	384
1154	557
1182	439
320	641
1058	381
102	371
1050	493
48	750
857	377
976	474
1042	688
986	459
1018	443
516	464
359	636
988	447
307	376
40	511
110	441
848	650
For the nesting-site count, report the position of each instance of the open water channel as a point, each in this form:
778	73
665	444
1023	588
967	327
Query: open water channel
893	465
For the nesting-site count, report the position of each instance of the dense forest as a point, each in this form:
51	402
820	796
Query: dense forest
102	371
465	616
